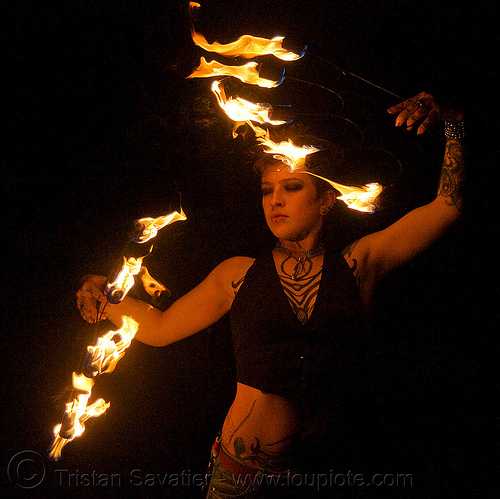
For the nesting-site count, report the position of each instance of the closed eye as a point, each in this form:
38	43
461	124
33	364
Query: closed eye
292	187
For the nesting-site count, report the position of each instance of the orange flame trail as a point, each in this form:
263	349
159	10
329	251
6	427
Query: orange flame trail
247	73
109	348
102	358
152	286
118	289
241	110
151	226
246	46
356	198
285	151
106	353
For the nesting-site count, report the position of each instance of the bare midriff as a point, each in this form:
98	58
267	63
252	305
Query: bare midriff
261	429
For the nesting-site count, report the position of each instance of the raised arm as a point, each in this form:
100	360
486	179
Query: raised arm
192	313
373	256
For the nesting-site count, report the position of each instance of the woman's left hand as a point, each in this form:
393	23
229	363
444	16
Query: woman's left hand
423	109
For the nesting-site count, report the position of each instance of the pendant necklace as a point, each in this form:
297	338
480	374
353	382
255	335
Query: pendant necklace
306	256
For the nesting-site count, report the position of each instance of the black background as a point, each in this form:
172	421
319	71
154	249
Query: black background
100	127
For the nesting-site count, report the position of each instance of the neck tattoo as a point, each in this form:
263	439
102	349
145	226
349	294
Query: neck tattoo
303	259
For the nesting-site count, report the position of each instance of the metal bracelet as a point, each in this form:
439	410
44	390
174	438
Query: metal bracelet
454	129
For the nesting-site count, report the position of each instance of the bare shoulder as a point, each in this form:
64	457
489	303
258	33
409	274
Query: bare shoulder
231	273
236	265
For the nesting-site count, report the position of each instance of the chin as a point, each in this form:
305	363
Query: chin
289	235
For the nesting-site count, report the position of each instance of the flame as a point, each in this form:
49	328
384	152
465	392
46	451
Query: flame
104	356
246	46
359	198
76	409
75	416
118	289
109	348
356	198
247	73
285	151
241	110
151	285
150	226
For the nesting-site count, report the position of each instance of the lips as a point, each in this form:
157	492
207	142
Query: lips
278	217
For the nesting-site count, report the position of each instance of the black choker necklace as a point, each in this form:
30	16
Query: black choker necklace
304	257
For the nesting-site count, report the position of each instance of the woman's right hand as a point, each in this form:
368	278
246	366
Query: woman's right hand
90	298
423	109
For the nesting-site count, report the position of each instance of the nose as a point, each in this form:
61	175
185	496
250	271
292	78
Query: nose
277	198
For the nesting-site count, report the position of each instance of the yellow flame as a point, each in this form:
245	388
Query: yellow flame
356	198
247	73
151	285
241	110
76	409
285	151
246	46
151	226
75	415
107	352
118	289
104	357
125	278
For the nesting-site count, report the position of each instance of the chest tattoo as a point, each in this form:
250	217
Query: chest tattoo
301	291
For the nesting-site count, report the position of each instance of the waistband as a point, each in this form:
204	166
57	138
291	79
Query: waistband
235	467
239	469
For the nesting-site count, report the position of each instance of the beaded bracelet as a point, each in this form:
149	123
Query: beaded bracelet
454	129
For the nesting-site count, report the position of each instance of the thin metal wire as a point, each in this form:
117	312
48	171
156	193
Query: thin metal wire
320	86
364	80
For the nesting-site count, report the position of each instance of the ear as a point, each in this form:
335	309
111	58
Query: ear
328	201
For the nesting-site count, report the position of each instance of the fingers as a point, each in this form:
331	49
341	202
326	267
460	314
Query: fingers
432	117
410	111
91	300
398	108
90	309
421	109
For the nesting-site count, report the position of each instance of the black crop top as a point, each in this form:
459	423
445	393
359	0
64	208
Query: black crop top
277	354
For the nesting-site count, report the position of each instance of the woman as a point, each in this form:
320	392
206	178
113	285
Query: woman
296	356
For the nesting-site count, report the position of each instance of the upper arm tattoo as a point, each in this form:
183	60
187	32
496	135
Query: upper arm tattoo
452	173
236	285
354	267
349	249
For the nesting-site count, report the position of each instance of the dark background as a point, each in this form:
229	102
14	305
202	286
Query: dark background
100	127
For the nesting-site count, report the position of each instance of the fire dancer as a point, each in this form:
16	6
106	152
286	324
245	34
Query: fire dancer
296	317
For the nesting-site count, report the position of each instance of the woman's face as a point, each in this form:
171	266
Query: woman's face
291	204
